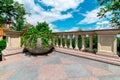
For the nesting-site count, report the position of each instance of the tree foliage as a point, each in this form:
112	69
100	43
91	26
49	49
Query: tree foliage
12	11
112	7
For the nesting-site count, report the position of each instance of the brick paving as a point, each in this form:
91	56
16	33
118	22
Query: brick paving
56	66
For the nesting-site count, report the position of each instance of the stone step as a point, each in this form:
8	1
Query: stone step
101	58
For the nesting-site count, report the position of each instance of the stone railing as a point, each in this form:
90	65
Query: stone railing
107	41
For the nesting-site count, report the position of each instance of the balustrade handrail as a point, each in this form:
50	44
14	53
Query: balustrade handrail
114	31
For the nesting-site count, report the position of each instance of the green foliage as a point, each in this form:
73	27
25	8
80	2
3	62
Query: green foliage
30	38
19	17
95	41
44	27
12	11
73	42
2	45
6	10
112	6
79	42
87	42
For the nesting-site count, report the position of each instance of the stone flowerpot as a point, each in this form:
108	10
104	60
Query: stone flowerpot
39	49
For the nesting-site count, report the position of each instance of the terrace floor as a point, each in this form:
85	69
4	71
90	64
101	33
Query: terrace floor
56	66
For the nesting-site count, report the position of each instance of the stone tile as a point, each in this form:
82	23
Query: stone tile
15	65
12	59
115	77
6	75
113	68
85	78
25	73
37	62
53	60
67	61
76	71
98	71
52	72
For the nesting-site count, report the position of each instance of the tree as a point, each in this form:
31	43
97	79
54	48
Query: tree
6	10
113	7
12	11
43	26
19	17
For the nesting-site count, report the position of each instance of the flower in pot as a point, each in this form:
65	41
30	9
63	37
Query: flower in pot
37	39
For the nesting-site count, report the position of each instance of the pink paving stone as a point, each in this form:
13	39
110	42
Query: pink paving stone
85	78
98	71
36	62
12	59
52	72
7	74
67	61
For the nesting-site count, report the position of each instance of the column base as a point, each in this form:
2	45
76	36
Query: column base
82	49
65	47
76	48
107	54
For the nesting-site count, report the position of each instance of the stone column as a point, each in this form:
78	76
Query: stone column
76	42
91	43
83	42
107	44
61	40
13	42
65	41
71	36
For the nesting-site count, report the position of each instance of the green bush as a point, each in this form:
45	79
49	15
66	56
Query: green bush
2	45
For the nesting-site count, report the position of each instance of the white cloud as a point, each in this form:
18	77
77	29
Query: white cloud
103	25
90	17
38	14
53	28
62	5
72	29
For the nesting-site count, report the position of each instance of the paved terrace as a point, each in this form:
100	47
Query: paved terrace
56	66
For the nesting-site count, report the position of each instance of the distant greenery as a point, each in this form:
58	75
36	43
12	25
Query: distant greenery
112	7
2	45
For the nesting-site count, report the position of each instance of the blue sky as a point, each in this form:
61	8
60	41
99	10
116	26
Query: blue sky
65	15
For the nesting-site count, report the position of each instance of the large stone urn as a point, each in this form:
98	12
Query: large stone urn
39	49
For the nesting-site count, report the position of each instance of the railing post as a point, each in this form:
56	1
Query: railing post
71	41
61	40
83	42
76	42
91	42
65	36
